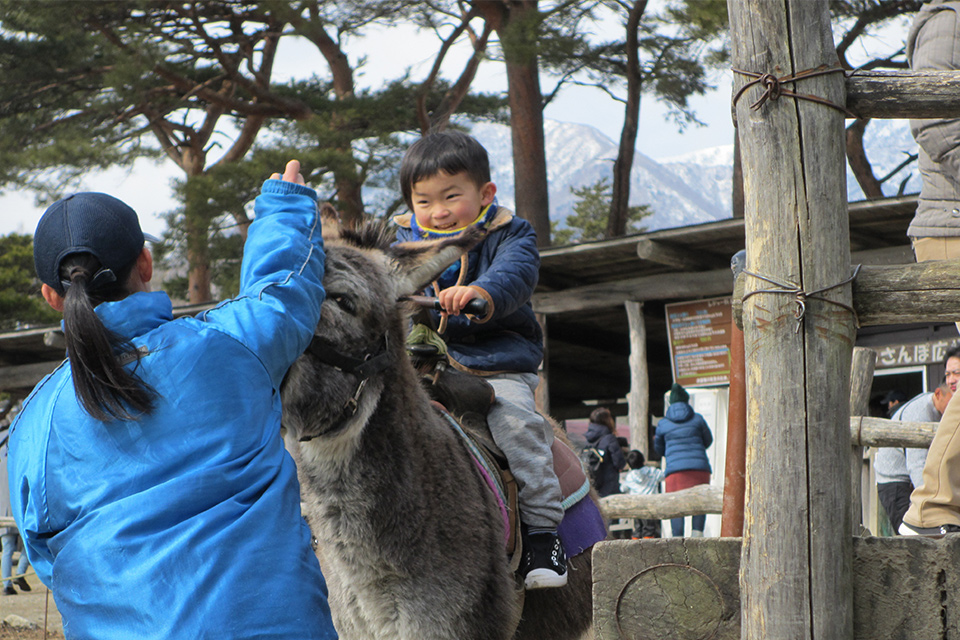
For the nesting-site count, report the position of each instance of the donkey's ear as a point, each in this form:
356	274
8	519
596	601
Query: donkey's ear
330	219
420	263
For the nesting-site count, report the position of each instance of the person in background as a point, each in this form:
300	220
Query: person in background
9	536
682	438
900	469
602	436
891	402
935	503
642	480
148	473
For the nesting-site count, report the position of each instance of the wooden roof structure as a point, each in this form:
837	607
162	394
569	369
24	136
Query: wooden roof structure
583	287
581	294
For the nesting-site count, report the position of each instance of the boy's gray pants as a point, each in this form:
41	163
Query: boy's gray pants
525	438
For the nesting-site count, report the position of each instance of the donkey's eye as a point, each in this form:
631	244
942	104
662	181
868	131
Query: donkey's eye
344	302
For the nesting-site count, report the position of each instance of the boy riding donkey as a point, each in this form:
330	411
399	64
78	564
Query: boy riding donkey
445	180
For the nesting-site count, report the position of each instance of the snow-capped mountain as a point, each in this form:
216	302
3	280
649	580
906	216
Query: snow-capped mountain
682	190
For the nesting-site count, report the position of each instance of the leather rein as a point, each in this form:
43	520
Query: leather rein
370	364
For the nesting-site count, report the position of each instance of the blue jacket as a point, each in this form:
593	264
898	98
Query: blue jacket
504	269
682	438
607	478
186	523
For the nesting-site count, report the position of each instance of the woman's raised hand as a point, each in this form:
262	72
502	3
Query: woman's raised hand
291	173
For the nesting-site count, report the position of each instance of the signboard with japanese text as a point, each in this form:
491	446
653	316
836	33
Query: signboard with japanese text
699	336
911	354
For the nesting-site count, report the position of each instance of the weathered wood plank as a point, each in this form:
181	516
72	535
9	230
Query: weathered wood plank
890	294
861	380
26	375
797	544
868	431
680	588
903	588
671	286
703	498
904	94
638	398
677	258
663	286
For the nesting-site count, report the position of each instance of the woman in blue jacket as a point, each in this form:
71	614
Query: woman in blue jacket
147	473
682	438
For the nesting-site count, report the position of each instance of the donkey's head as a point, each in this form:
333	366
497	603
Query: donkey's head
359	343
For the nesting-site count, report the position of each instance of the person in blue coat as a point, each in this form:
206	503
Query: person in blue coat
147	473
682	437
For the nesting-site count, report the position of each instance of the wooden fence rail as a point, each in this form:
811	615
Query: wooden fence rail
708	499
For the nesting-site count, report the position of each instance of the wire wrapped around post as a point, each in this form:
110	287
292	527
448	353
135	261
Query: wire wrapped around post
774	89
802	296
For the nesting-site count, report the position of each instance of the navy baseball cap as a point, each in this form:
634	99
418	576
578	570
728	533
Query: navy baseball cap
86	222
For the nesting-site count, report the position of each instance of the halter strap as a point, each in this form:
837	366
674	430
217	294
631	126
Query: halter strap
362	368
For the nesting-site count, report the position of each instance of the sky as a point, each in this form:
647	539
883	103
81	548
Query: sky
388	52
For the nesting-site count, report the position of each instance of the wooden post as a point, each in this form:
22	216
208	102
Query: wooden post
797	555
734	467
861	379
638	398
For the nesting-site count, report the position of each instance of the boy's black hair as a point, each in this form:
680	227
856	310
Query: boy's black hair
451	152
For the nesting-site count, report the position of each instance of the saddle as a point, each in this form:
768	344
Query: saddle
467	400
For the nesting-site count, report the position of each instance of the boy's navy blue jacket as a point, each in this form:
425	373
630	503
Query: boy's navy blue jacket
504	269
682	438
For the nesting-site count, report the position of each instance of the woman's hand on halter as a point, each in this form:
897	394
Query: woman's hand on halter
291	173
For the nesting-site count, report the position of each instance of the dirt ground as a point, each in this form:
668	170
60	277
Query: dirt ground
36	606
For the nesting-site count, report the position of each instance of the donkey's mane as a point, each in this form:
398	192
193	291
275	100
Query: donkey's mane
373	233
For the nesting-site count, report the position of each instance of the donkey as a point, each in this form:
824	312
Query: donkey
409	534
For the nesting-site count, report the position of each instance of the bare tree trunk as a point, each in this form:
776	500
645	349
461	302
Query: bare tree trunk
859	163
526	108
198	230
620	199
349	199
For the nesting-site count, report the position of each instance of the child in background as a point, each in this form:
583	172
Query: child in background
445	180
645	481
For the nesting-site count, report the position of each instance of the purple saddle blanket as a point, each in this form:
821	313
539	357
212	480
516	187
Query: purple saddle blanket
583	526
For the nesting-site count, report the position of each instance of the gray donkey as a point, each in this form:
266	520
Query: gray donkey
409	535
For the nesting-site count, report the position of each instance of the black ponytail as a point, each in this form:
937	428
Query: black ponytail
104	388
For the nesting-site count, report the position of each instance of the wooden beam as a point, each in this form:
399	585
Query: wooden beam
704	498
671	286
924	292
638	398
903	94
868	431
861	380
665	286
25	376
678	258
884	295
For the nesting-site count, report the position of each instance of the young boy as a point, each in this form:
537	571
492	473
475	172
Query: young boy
445	180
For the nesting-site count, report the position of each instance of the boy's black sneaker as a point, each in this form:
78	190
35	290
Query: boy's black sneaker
907	529
544	564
